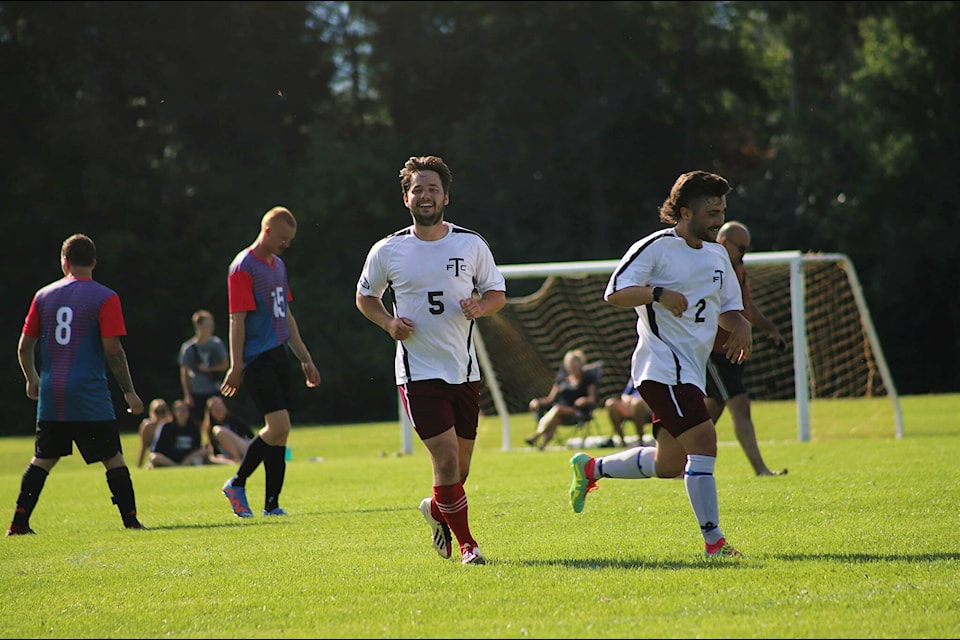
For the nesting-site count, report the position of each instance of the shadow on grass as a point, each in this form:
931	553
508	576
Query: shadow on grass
639	563
869	557
730	563
245	522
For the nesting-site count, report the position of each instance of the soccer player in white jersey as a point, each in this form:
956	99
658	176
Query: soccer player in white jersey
440	278
682	285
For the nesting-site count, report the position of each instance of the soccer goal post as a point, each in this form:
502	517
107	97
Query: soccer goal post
814	298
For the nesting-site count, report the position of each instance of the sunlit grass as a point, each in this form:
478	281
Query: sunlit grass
858	540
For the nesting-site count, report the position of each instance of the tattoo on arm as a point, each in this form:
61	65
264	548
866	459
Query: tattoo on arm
120	370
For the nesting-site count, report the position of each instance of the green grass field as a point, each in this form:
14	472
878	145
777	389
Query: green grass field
859	540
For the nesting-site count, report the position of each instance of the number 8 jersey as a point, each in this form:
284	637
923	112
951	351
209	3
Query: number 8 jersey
70	317
425	281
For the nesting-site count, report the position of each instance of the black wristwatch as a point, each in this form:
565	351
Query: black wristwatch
657	291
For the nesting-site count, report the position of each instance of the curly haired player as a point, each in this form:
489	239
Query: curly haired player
682	285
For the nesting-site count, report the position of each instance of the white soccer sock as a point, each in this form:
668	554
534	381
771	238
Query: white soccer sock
702	490
635	464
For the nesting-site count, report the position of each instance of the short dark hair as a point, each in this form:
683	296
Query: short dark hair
689	189
79	250
416	164
201	315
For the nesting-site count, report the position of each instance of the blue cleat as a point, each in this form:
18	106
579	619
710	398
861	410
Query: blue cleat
238	499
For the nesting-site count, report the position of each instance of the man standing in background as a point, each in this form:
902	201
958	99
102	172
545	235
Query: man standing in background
203	359
724	377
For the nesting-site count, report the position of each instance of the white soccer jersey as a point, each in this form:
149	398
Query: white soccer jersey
426	281
675	350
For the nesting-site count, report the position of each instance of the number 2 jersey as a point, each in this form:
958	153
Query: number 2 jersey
673	350
70	317
425	281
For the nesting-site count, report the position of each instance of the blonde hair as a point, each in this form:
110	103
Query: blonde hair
570	355
158	405
278	213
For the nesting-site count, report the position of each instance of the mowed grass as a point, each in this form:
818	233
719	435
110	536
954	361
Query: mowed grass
859	540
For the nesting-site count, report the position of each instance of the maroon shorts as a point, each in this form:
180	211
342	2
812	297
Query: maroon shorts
675	408
434	406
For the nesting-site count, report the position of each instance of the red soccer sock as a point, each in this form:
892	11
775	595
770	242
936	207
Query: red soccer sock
451	501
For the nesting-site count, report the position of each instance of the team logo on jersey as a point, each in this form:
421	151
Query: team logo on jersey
718	276
456	265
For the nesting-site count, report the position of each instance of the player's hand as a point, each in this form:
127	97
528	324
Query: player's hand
311	373
739	344
779	341
33	388
231	382
674	301
400	328
134	403
471	308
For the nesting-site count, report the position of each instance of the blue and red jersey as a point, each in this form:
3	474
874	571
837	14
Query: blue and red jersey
70	317
260	289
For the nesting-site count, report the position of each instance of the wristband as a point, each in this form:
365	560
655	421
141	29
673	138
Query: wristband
657	291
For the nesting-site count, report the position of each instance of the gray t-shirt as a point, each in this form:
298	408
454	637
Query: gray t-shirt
193	354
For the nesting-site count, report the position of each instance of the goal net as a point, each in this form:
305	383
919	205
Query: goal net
814	298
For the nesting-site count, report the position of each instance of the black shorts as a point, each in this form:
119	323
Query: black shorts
268	380
724	378
434	406
97	441
675	408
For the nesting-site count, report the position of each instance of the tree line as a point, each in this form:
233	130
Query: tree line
165	130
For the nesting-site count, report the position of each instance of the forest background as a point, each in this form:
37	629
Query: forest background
166	130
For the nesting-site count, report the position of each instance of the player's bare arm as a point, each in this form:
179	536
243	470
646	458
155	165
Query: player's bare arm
740	343
373	310
299	348
630	297
764	323
25	353
234	375
117	363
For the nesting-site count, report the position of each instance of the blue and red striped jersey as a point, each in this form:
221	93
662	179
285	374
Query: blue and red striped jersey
260	289
70	317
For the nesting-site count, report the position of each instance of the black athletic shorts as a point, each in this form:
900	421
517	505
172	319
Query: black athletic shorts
724	378
269	381
97	441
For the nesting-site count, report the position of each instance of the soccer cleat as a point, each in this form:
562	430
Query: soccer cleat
442	541
581	485
471	554
721	549
134	524
20	530
276	511
238	499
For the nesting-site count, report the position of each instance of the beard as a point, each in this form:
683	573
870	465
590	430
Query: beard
429	219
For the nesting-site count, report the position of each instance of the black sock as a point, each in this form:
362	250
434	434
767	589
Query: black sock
31	485
118	479
254	456
275	468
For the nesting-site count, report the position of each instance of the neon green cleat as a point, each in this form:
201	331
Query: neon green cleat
581	485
